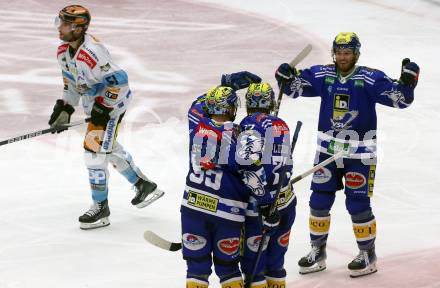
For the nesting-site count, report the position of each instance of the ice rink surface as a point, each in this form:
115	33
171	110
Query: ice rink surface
174	51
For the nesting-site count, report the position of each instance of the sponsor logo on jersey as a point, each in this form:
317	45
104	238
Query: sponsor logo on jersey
279	128
340	105
283	240
112	92
111	95
321	176
208	131
235	210
355	180
202	201
82	88
254	241
86	58
193	242
359	83
229	246
91	52
105	67
62	49
329	80
196	112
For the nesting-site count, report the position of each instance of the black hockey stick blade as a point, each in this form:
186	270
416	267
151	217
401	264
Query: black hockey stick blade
160	242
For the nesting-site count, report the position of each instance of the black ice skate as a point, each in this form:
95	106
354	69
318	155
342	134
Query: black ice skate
363	264
96	216
146	193
314	261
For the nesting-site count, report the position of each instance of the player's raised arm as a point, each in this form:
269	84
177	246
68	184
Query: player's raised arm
398	94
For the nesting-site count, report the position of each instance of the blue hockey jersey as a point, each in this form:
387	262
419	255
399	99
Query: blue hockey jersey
347	118
265	140
217	192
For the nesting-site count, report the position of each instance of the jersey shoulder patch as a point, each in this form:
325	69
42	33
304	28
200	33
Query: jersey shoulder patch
62	48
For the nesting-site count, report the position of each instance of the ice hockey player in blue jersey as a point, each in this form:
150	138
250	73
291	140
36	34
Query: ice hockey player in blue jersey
215	198
90	75
265	140
347	121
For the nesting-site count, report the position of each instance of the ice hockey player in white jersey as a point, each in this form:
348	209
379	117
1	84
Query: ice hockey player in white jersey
89	74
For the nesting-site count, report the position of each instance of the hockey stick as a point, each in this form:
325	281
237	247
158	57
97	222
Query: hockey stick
303	54
273	206
317	167
293	181
162	243
42	132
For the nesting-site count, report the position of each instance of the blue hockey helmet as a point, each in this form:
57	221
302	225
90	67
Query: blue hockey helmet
347	40
221	100
260	96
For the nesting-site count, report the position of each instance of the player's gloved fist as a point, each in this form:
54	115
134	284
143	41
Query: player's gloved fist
100	114
285	73
239	80
61	115
410	73
270	221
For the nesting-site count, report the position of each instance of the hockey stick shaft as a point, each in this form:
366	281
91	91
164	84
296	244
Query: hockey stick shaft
316	168
301	55
42	132
273	206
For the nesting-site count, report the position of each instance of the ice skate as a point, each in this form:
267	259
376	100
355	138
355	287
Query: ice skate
363	264
314	261
96	216
146	193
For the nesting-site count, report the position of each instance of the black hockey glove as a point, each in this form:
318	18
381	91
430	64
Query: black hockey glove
285	73
270	221
100	114
239	80
60	115
410	73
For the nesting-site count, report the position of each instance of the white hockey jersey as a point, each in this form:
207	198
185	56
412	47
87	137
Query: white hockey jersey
90	74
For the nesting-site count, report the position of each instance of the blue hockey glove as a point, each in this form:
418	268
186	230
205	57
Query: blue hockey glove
285	73
410	73
270	221
239	80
